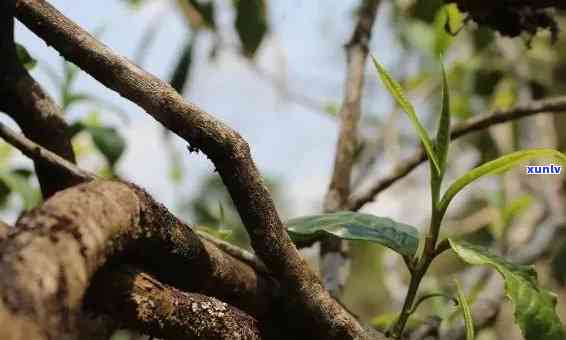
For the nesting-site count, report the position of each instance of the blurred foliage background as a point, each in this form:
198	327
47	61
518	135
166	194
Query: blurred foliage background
486	72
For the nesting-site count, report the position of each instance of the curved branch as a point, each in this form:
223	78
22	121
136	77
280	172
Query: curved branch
143	303
44	157
481	122
46	264
36	113
225	147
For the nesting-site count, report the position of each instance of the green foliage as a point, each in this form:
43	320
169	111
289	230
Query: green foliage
251	24
437	153
385	320
534	307
25	59
107	140
18	182
447	21
466	311
497	166
399	237
442	142
397	92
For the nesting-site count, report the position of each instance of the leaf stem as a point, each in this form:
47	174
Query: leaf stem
417	274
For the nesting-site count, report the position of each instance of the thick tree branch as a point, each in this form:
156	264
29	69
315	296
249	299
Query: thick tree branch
332	251
225	147
481	122
24	100
46	264
141	302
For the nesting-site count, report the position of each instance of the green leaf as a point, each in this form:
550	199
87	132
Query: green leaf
25	59
534	307
497	166
466	311
442	141
109	142
251	24
448	21
399	237
21	185
70	98
397	92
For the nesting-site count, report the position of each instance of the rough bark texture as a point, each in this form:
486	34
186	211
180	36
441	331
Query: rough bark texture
36	113
47	263
307	300
141	302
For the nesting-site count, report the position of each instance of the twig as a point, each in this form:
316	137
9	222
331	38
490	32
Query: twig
36	113
332	252
237	252
41	155
229	152
554	105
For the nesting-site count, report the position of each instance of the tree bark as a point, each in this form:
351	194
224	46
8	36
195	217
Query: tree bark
46	264
36	113
143	303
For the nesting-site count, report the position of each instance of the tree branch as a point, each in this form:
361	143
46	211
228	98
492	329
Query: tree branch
225	147
481	122
47	263
43	157
332	252
36	113
143	303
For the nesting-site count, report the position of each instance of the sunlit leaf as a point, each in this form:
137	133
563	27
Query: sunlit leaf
399	237
506	94
386	320
442	141
497	166
466	311
442	39
534	307
397	92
